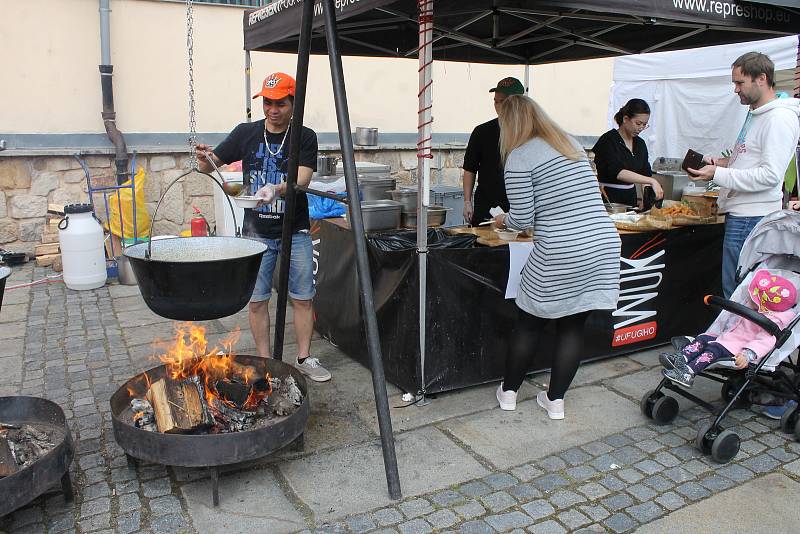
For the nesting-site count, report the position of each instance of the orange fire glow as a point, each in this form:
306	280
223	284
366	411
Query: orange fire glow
189	355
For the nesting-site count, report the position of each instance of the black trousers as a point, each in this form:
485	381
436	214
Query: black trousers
565	357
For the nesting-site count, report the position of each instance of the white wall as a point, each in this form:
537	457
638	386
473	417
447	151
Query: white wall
51	83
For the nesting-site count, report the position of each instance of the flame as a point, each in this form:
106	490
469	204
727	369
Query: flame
189	355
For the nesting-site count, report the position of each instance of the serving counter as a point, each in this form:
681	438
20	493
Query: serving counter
664	275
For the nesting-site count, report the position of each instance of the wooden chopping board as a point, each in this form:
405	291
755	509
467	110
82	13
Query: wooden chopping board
486	235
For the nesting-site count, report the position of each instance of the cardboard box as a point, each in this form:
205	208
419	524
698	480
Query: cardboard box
706	200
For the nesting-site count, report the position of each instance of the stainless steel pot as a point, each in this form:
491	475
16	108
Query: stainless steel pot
366	136
378	188
380	215
5	272
436	217
125	272
407	199
326	165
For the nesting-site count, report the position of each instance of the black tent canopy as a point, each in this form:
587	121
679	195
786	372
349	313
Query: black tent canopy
496	31
522	32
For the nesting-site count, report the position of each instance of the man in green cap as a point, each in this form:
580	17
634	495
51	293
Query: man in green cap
482	159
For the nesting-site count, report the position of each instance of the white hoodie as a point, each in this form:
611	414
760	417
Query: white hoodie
751	184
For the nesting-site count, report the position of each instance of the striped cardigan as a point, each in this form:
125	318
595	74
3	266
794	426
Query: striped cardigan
574	264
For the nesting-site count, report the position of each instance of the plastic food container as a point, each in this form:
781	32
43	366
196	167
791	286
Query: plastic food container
507	235
246	202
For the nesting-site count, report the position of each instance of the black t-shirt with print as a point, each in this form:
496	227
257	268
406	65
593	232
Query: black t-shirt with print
261	166
483	157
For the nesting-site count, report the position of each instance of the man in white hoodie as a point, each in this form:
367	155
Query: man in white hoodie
750	179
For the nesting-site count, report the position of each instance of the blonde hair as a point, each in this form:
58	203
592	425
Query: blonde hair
522	119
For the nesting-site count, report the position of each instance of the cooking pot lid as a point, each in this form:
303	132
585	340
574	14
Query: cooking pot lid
197	249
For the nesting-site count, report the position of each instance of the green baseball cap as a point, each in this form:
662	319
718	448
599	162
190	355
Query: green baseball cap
509	86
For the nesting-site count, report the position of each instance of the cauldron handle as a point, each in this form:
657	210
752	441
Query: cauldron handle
190	171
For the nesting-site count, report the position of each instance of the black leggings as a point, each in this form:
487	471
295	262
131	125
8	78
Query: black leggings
566	356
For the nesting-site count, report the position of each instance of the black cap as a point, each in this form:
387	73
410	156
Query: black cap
509	86
78	208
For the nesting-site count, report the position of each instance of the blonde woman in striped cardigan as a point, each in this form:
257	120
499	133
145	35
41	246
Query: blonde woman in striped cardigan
574	265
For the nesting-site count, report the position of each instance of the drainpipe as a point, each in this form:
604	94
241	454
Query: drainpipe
109	116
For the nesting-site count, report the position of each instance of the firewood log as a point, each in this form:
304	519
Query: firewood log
178	406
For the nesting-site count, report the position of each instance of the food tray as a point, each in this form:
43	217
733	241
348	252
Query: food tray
641	223
700	214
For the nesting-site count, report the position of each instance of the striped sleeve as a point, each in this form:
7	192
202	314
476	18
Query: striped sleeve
519	190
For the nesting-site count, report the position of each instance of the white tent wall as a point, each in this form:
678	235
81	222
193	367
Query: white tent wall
690	94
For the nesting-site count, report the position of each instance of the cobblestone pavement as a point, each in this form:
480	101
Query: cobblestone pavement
71	347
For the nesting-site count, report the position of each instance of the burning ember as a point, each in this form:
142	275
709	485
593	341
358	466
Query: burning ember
207	391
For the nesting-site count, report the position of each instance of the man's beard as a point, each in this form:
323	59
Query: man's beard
748	99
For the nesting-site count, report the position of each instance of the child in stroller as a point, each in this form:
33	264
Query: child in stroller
742	342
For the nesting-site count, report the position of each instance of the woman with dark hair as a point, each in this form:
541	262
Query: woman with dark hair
621	158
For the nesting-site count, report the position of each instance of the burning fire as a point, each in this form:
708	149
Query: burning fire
189	355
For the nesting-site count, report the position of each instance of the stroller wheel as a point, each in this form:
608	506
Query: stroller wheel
729	389
705	438
725	446
789	419
647	402
665	410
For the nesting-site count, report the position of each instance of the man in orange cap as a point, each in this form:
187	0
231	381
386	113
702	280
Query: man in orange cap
263	147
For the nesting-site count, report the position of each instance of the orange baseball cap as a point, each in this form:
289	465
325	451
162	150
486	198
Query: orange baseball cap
276	86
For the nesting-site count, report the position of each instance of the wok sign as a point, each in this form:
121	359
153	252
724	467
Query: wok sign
639	278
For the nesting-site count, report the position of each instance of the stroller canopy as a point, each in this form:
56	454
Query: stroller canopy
777	234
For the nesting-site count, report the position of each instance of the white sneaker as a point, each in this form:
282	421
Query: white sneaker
313	369
555	409
507	399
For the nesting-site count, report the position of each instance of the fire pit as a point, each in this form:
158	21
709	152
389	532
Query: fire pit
209	408
36	450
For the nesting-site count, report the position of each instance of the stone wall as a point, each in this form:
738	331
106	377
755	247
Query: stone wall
29	183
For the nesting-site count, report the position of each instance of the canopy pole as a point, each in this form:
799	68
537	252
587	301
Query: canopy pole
424	156
362	263
289	198
527	79
248	97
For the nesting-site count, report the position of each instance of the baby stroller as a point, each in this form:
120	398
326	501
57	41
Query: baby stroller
774	244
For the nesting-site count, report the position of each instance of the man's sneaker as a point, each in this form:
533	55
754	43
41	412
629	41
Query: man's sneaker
669	360
776	412
313	369
555	408
507	399
682	376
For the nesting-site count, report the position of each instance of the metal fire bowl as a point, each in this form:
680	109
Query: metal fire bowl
206	450
48	471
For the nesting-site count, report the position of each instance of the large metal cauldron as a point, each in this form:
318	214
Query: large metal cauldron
48	471
196	278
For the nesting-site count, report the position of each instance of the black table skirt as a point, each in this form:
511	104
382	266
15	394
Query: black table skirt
664	276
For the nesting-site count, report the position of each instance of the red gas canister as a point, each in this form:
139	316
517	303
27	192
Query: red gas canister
199	225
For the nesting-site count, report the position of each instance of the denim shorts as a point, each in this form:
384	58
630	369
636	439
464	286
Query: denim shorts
301	268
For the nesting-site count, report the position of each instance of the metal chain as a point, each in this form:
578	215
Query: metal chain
190	50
